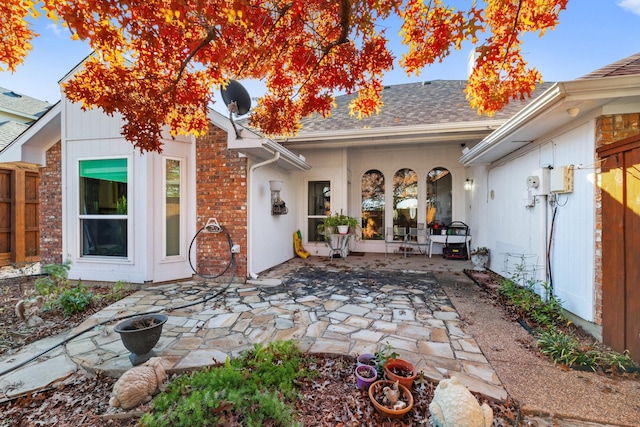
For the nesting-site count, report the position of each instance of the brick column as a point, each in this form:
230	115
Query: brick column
51	207
221	192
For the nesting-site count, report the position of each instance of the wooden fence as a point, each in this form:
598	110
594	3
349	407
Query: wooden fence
19	212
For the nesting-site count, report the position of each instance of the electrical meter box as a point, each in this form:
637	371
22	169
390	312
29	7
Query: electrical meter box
561	180
538	182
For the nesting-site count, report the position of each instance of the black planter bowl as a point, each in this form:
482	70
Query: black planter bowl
139	335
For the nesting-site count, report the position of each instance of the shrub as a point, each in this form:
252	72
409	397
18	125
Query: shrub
75	300
54	283
258	388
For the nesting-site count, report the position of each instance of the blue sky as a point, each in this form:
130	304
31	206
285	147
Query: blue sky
591	34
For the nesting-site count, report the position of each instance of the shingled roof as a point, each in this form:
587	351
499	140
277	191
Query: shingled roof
9	131
17	113
22	104
624	67
411	104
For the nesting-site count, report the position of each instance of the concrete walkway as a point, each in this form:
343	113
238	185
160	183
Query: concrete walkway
349	306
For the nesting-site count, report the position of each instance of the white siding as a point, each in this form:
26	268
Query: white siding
518	235
271	235
345	167
92	134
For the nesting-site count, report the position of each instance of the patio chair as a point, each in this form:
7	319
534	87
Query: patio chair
394	236
418	238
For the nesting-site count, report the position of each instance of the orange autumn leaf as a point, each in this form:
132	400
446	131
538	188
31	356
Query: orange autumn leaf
157	62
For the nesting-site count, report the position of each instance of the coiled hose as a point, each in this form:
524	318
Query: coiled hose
205	299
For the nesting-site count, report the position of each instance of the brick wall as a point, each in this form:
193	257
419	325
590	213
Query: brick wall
221	193
51	207
609	129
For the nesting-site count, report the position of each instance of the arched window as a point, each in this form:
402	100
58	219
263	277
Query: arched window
373	205
405	198
439	196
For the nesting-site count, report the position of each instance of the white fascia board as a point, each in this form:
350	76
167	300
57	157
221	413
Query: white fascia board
17	113
392	131
527	114
569	93
32	144
252	143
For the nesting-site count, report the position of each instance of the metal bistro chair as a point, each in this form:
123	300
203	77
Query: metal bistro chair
394	236
418	238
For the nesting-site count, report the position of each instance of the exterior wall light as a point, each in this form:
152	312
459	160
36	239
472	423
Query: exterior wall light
468	185
573	111
278	206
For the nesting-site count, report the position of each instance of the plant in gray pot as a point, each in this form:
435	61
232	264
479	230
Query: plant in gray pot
140	334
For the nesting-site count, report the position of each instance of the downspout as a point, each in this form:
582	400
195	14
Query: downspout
250	229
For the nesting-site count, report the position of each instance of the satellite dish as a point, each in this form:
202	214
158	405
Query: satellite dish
236	98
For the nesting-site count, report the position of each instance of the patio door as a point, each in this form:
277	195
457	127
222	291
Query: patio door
621	245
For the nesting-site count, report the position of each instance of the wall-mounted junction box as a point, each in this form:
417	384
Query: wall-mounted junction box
538	182
561	180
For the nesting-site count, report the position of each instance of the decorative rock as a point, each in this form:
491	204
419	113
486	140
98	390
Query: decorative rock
139	384
453	405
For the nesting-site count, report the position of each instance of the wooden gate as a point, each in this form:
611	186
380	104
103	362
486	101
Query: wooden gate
621	245
19	211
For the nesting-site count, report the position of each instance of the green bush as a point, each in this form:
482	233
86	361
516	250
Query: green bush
566	349
56	281
545	313
259	387
75	300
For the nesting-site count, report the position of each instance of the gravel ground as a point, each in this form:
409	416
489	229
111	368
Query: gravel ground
541	389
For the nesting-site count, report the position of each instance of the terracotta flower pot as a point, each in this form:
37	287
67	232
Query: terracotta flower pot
400	370
375	394
366	375
139	335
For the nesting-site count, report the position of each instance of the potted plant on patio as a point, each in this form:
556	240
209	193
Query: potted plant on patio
390	366
367	359
390	398
140	334
338	221
400	370
479	258
365	376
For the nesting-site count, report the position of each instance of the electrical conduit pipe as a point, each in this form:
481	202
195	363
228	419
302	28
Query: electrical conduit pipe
274	159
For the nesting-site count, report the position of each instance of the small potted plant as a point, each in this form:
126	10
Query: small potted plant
338	221
365	376
384	354
390	398
479	258
400	370
367	359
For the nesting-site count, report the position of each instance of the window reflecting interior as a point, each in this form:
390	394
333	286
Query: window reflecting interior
103	207
373	205
172	207
439	199
405	199
319	206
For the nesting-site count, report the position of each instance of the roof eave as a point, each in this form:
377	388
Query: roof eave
253	145
31	145
394	135
585	94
